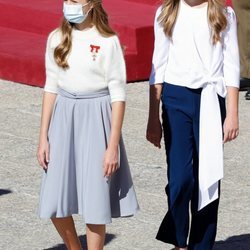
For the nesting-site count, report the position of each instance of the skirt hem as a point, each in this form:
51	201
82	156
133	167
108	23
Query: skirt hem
93	222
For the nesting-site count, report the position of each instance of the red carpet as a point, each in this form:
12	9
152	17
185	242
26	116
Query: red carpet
25	24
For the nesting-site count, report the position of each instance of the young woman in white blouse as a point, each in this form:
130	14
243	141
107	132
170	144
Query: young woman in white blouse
80	147
195	65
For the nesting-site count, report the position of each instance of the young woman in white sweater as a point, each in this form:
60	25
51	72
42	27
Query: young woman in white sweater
195	64
80	146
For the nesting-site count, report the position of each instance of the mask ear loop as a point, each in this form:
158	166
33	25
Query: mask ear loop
83	5
89	9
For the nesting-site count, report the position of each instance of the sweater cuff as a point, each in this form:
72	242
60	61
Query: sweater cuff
50	90
156	77
118	98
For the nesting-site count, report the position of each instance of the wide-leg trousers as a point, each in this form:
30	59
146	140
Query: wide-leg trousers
181	109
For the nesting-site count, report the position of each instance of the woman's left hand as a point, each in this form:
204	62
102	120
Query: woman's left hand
230	128
110	163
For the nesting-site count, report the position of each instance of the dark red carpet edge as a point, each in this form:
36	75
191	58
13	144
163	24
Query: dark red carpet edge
25	24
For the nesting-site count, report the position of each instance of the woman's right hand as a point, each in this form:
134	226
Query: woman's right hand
154	131
43	153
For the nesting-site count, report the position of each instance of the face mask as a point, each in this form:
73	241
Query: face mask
74	12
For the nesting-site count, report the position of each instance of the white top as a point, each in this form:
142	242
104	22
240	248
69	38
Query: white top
191	60
95	63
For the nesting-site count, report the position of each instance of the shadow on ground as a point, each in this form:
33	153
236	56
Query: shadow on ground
5	191
83	239
239	242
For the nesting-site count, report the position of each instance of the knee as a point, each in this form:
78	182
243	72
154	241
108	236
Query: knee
181	185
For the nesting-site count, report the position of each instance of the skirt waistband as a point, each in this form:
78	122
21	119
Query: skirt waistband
80	95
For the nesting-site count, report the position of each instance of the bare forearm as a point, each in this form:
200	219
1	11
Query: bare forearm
154	100
47	108
232	101
154	129
231	123
118	110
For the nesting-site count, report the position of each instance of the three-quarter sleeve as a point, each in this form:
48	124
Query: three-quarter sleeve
116	71
51	68
231	61
160	55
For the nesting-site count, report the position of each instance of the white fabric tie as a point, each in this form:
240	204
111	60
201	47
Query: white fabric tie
210	142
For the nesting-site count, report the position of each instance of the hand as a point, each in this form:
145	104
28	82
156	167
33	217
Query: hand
110	164
43	153
230	128
154	131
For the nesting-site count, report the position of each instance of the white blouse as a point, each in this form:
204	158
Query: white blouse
191	60
95	63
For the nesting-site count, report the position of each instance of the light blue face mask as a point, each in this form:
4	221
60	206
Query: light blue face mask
74	12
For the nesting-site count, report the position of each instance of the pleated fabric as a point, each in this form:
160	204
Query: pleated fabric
74	183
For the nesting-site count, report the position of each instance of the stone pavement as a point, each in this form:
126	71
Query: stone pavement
21	229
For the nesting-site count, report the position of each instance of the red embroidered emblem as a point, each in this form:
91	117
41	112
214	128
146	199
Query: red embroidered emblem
94	50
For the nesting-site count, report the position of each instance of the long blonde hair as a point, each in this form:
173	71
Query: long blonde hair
216	17
98	17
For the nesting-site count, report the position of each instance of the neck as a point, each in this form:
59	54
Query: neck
87	24
195	2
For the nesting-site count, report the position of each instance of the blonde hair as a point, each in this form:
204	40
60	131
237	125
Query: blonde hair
98	17
216	17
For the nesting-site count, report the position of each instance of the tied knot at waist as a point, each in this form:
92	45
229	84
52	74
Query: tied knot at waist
83	95
217	83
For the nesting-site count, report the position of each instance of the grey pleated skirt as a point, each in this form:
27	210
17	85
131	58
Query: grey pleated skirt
74	183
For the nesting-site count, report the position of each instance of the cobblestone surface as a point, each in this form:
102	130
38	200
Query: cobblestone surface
21	229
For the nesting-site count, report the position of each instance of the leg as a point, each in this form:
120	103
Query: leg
66	228
177	125
203	228
204	222
95	236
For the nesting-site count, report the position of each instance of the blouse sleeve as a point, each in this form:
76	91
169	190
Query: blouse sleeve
116	72
160	55
51	66
231	61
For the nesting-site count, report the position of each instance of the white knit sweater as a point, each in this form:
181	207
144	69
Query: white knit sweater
95	63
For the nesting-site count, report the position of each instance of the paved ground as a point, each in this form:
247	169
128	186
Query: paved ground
20	227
